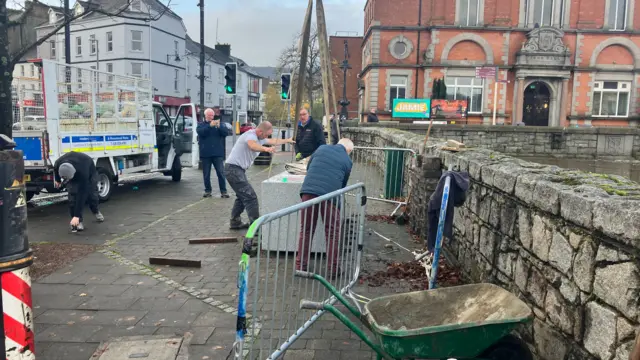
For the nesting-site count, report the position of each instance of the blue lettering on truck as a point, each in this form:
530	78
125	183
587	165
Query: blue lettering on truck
31	147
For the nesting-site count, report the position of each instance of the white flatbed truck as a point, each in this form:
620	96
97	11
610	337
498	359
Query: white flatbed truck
113	119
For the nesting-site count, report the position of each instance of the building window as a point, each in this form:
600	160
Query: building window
175	80
542	12
79	73
52	48
136	69
221	101
92	44
110	70
22	70
135	5
611	98
175	47
33	71
469	12
136	40
238	102
221	77
208	72
466	88
78	45
109	41
400	47
397	88
617	14
209	98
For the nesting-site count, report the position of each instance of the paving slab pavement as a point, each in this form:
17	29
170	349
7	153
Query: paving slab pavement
115	293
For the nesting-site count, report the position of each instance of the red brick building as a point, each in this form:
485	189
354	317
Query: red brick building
336	47
560	62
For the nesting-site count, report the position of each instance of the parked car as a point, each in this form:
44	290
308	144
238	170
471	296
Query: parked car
246	127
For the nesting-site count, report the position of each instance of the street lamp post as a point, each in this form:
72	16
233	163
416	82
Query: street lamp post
345	66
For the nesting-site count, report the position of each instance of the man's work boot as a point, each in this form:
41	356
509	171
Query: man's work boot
99	216
237	224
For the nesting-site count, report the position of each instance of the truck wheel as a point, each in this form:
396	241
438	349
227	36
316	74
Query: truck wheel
30	195
176	170
105	184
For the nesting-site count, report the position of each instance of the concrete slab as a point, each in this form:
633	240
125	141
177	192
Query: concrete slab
139	347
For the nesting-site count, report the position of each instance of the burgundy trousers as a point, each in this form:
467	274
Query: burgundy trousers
331	216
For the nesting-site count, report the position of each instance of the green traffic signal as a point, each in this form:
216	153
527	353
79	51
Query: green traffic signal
284	95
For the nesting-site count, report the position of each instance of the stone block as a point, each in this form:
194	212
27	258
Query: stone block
624	330
431	163
541	238
494	213
599	330
569	291
508	216
618	219
526	186
549	343
506	262
575	240
583	266
618	285
560	313
576	207
547	197
608	254
537	287
560	252
521	273
487	243
623	352
524	227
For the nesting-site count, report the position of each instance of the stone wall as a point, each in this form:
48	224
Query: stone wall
535	141
566	242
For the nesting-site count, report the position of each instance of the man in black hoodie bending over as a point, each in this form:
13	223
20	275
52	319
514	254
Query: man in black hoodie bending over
310	136
78	173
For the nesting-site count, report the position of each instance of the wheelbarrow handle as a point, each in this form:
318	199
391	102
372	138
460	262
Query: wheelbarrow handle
304	274
311	305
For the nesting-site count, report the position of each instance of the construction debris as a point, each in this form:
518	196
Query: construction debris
414	273
214	240
175	262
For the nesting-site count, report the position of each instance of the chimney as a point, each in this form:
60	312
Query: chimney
224	48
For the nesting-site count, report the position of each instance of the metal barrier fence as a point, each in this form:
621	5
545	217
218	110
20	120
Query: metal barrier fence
384	171
332	228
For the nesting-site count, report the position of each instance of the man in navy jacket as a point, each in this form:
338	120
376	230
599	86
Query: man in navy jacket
310	135
328	170
211	139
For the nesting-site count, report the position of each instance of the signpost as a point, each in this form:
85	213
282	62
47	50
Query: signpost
411	108
488	73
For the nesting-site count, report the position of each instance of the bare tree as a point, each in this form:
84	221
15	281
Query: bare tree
290	59
8	60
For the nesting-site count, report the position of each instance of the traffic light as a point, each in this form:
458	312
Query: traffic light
285	81
230	78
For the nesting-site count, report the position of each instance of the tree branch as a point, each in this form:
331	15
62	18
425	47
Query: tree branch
15	57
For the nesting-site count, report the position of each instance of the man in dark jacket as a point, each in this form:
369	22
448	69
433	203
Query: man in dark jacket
211	138
77	172
310	136
328	170
372	117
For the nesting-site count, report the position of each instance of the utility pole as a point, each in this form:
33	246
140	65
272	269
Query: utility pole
201	5
345	66
67	34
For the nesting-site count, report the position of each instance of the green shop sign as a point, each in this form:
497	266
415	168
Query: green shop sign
411	108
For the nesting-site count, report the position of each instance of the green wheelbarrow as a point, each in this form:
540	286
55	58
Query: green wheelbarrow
461	322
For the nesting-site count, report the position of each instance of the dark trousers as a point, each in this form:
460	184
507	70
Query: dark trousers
92	198
218	163
308	221
246	198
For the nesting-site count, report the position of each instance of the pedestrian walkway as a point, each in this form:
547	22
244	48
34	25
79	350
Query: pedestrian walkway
97	298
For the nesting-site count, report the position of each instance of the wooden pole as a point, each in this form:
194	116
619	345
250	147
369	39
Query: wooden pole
326	54
324	62
304	53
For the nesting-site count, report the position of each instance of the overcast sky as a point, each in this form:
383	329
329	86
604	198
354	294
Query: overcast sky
258	30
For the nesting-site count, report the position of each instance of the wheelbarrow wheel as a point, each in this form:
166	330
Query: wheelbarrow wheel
508	348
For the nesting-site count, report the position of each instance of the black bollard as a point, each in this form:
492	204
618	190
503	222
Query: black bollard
15	256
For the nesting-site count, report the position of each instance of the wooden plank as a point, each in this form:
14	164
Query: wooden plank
304	52
332	91
214	240
174	262
325	63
